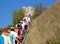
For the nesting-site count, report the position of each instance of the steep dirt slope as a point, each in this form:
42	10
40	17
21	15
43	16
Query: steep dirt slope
46	27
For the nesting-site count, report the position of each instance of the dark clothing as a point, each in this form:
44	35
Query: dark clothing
25	27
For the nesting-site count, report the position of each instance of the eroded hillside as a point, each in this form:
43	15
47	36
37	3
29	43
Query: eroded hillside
46	28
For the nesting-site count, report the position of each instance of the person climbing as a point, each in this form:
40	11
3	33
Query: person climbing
6	36
1	38
15	36
11	38
28	19
20	33
12	35
16	28
25	26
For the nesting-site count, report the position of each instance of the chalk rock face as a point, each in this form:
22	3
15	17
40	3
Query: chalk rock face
29	10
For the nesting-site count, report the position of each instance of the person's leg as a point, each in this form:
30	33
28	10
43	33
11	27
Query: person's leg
15	42
26	28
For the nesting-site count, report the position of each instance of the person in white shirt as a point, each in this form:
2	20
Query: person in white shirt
28	20
15	36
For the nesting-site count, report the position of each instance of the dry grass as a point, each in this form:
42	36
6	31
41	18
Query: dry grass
46	28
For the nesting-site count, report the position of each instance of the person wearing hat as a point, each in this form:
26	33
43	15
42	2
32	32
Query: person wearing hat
6	36
1	38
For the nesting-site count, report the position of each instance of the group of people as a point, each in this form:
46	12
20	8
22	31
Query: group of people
17	32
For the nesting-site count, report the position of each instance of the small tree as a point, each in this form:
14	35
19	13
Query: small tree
17	16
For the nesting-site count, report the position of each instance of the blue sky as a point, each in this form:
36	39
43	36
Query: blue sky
8	6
